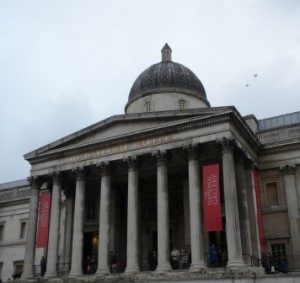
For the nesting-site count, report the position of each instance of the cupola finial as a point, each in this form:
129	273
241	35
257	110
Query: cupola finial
166	53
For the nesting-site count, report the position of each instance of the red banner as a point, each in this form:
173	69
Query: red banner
258	209
211	198
43	221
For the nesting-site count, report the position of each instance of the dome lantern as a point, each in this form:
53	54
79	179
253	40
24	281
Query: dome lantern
166	53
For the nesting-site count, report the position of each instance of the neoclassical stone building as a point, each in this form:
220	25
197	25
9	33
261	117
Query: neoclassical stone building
135	183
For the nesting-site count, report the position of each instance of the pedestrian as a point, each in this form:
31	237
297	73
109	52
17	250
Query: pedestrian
43	266
175	255
213	256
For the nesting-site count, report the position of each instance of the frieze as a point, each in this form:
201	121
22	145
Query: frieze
133	141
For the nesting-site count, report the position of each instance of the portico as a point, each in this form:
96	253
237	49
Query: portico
132	184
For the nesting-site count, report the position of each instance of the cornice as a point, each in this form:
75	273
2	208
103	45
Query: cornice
280	148
194	122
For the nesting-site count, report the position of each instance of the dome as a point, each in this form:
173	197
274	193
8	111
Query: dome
166	77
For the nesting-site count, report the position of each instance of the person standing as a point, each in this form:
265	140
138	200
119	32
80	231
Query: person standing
43	266
213	256
175	255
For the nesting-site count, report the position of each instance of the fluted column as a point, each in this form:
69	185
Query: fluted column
233	233
52	254
132	216
103	248
162	213
243	206
31	230
292	206
197	248
77	244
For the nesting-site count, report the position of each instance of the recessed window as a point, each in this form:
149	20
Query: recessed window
18	269
1	232
23	230
148	107
181	104
271	194
278	250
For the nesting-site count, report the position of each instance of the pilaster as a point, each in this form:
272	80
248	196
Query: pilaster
292	206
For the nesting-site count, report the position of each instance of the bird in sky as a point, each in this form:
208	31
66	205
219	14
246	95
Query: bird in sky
255	75
247	85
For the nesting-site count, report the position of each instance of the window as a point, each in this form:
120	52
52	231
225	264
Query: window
148	107
18	269
271	194
23	230
278	250
1	231
181	104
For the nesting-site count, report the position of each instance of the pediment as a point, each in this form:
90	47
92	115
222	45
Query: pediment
121	127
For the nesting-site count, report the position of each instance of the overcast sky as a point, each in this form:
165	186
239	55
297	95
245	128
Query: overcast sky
67	64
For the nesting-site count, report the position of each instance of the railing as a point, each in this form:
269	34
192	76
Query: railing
288	263
37	271
63	269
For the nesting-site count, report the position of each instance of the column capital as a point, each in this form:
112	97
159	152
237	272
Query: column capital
162	157
105	168
80	173
35	181
288	170
56	177
132	162
227	144
193	151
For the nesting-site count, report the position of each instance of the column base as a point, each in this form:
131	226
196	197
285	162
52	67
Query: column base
102	272
131	270
74	274
50	275
197	267
163	268
232	264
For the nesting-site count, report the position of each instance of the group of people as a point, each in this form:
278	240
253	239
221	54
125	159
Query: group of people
273	265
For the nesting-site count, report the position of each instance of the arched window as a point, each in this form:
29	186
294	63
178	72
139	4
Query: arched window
181	104
148	107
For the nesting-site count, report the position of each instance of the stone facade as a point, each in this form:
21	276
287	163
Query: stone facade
132	184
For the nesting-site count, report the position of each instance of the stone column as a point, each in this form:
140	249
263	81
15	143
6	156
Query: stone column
69	204
77	244
103	248
162	213
31	230
243	206
292	206
52	255
132	216
197	248
233	233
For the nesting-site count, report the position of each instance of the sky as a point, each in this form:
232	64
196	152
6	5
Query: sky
65	65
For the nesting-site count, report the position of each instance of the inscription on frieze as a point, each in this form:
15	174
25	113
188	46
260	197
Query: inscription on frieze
119	148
